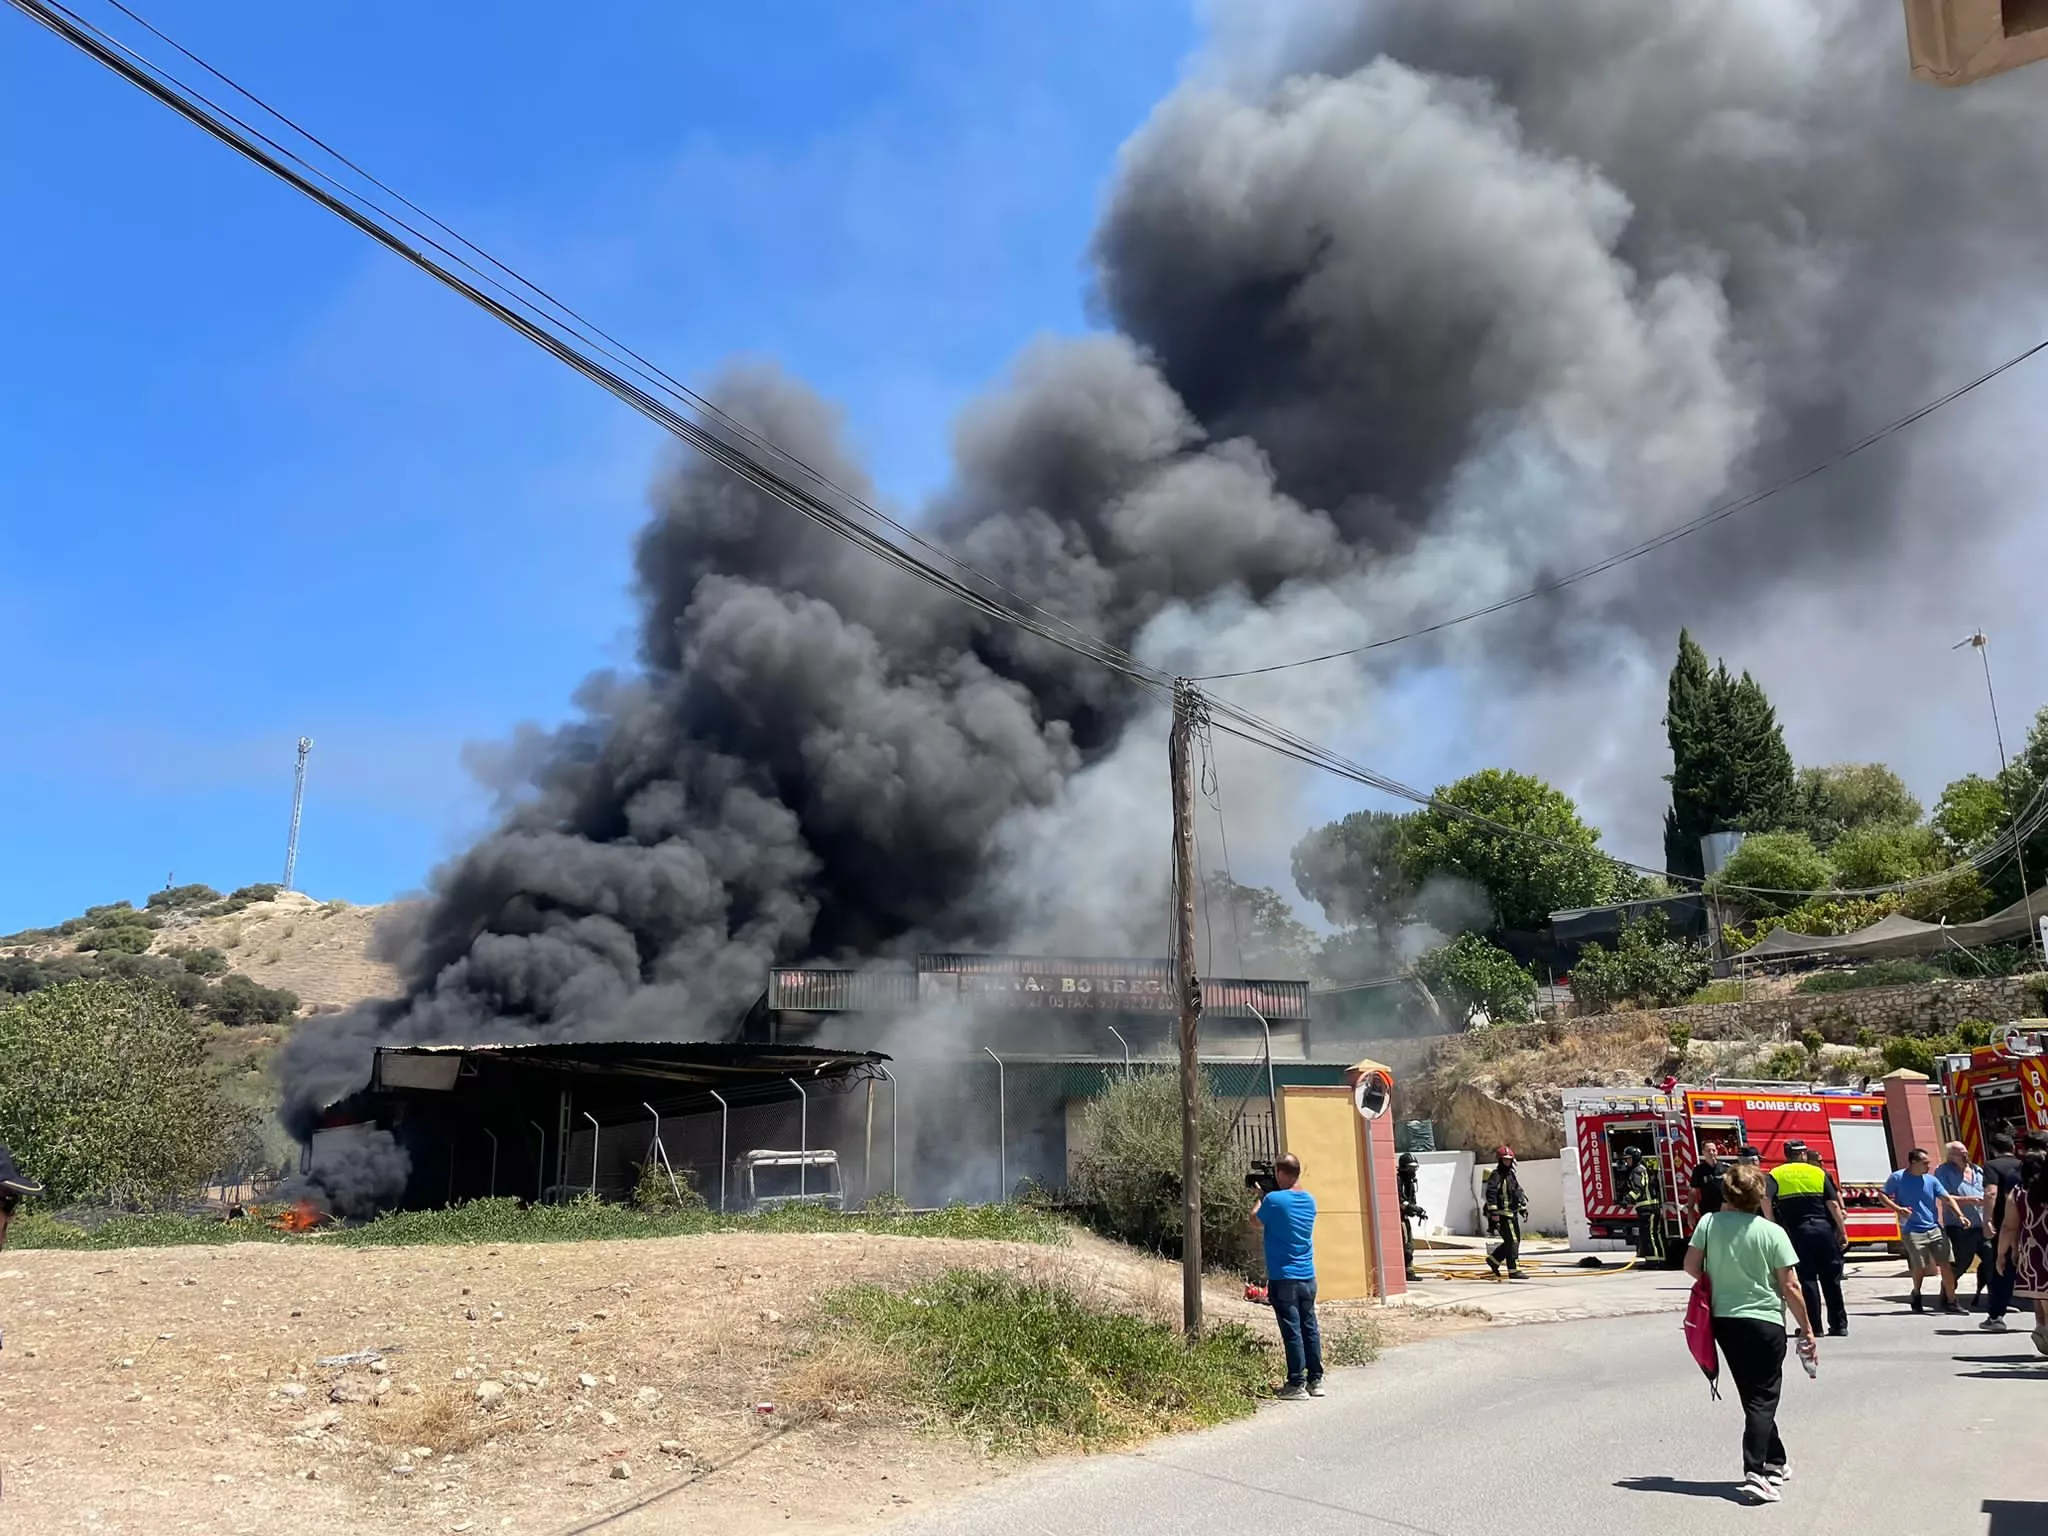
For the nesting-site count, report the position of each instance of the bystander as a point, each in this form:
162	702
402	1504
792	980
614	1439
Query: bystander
1918	1199
1287	1217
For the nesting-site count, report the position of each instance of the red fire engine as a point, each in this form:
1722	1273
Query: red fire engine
1670	1126
2002	1086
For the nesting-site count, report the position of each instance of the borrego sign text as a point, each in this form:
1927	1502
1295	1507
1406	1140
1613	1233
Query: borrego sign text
1027	989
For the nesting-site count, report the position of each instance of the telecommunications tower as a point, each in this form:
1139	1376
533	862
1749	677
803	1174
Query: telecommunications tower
291	847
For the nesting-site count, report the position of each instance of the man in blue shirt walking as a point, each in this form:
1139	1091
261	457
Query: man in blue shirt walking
1288	1217
1920	1202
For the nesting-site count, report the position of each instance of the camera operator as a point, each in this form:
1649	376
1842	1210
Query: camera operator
1287	1217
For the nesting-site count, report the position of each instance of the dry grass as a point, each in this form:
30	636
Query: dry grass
445	1419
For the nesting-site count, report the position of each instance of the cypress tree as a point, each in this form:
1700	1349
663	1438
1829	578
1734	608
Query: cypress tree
1730	770
1688	723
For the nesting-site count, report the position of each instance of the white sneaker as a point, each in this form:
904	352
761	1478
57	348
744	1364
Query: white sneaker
1779	1475
1992	1325
1759	1487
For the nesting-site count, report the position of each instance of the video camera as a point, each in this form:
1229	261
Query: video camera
1262	1180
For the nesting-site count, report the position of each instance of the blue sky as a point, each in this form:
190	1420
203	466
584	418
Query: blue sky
258	481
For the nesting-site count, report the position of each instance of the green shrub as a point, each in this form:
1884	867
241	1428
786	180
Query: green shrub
1880	973
238	1002
1718	992
1787	1062
123	941
1913	1052
658	1189
1680	1036
1128	1170
249	893
177	897
1812	1039
1470	973
202	962
1033	1367
1646	968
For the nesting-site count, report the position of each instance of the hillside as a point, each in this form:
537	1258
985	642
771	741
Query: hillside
319	951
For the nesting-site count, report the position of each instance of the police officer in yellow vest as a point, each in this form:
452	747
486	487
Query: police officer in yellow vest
1807	1205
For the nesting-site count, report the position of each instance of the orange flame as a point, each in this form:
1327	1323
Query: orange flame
303	1216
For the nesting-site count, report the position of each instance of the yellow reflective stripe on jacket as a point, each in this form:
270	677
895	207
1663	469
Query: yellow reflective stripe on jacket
1793	1179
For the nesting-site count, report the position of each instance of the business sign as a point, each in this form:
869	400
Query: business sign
1056	989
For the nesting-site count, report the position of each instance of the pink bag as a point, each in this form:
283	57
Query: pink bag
1699	1332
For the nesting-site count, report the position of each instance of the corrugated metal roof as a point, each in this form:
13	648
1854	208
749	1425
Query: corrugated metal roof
815	989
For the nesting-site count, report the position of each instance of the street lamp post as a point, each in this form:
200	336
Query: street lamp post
1980	643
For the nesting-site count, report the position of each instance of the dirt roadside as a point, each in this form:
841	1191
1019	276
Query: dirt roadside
180	1390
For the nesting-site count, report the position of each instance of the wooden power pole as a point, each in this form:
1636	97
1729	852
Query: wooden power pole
1188	988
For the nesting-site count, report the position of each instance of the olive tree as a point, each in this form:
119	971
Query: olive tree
108	1093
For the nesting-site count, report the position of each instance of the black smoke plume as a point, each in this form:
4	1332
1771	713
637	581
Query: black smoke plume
1410	305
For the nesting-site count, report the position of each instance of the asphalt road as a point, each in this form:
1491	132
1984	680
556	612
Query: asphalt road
1919	1426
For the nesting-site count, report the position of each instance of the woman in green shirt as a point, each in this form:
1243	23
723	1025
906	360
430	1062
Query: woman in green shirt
1750	1264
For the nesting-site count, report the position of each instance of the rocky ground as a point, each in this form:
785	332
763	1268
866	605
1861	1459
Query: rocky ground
628	1387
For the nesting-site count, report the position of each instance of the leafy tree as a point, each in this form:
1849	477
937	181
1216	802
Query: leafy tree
238	1002
1647	968
1819	915
1885	855
108	1091
1730	770
1356	870
1470	973
1525	879
1830	802
1774	862
1970	813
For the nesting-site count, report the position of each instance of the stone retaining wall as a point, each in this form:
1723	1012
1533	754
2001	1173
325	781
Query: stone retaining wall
1920	1008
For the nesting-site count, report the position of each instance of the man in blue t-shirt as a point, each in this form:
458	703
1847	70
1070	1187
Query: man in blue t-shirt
1288	1217
1917	1197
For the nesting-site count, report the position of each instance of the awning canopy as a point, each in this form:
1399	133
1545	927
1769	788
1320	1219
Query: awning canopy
1897	938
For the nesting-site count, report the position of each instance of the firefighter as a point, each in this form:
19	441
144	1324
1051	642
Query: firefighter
1639	1195
1411	1211
1506	1208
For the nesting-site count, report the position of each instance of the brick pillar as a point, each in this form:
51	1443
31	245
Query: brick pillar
1909	1114
1384	1208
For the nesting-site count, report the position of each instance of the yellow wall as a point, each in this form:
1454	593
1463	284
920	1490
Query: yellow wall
1321	1127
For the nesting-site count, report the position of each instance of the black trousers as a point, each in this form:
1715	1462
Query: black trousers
1509	1249
1650	1235
1407	1247
2002	1280
1820	1275
1755	1352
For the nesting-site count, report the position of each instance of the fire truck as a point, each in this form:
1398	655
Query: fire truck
2002	1086
1671	1124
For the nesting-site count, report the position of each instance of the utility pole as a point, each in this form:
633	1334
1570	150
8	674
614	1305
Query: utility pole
291	847
1188	988
1981	644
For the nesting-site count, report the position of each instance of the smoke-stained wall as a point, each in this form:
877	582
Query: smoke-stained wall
1408	306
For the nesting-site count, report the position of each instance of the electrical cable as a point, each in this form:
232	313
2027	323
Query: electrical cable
1656	541
854	520
1241	723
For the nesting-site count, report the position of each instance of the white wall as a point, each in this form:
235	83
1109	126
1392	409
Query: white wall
1443	1187
1542	1181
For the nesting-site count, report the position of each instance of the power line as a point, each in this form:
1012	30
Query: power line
1657	541
565	335
1248	727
